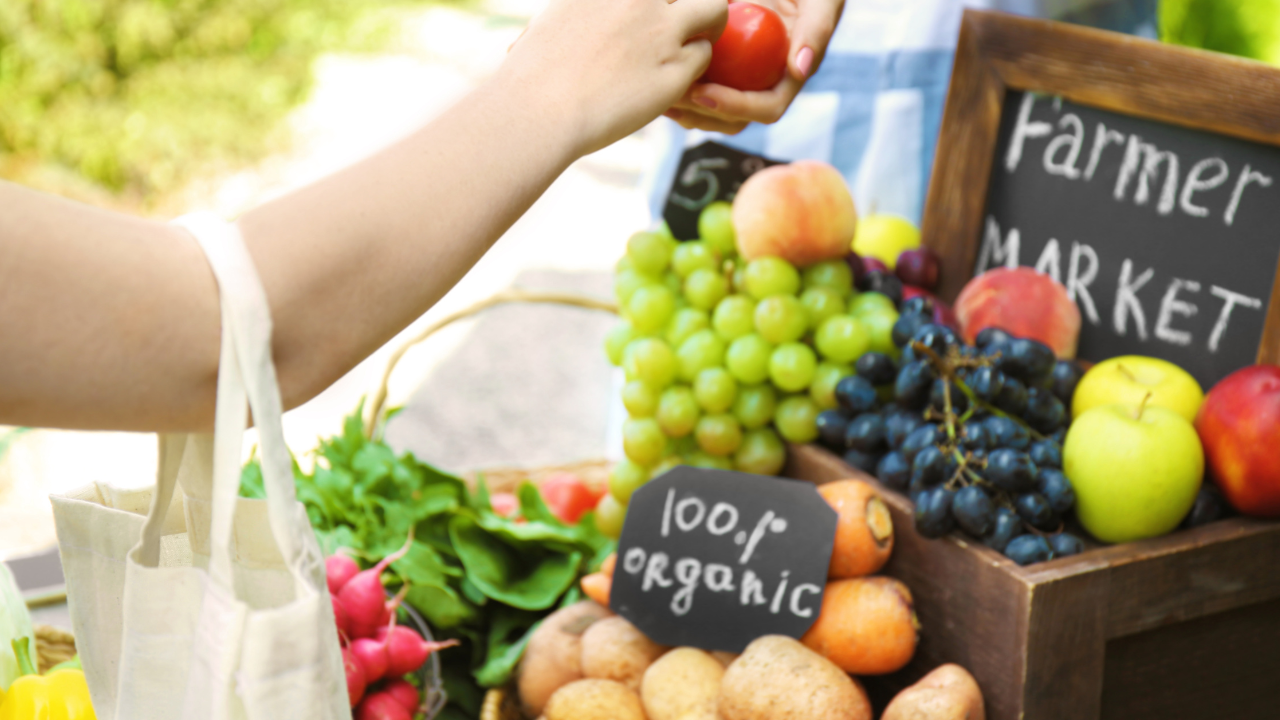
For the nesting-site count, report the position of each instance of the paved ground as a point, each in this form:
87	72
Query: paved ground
521	386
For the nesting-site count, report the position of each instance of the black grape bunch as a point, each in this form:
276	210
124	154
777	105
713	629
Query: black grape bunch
971	433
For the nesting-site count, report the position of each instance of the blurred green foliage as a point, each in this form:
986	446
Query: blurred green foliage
1250	28
139	96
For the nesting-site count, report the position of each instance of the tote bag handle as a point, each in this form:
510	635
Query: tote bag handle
248	370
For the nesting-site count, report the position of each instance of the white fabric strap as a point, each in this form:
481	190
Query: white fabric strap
247	369
171	449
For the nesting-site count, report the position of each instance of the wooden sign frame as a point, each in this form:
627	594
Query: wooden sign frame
1131	76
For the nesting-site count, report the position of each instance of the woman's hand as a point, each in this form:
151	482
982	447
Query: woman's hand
609	67
722	109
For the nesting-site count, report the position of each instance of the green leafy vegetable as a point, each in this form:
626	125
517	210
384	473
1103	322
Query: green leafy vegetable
474	575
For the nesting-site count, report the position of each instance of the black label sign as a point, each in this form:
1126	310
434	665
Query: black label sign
714	559
707	173
1166	237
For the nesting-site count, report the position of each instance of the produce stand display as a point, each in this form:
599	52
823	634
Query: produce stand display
515	566
1182	625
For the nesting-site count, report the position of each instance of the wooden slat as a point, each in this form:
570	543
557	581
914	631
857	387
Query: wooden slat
962	164
1065	647
1133	76
1220	666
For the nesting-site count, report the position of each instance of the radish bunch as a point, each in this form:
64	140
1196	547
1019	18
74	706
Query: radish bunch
376	652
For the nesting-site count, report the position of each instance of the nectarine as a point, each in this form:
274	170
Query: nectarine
1023	303
801	212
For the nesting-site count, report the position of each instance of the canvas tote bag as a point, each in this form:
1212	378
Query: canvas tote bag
208	606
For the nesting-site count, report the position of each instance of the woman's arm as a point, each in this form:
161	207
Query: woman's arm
108	321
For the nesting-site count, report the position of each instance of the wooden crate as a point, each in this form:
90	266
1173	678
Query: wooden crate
1183	627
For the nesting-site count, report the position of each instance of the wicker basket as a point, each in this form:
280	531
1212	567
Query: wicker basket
499	703
53	646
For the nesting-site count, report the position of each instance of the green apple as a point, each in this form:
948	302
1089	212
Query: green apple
885	237
1135	469
1126	380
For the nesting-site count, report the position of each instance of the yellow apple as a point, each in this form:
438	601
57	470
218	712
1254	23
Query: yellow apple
1126	380
1135	470
885	237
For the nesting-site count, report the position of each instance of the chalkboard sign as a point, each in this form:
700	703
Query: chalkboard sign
714	558
707	173
1166	237
1144	177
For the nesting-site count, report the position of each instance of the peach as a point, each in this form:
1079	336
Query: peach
801	212
1023	303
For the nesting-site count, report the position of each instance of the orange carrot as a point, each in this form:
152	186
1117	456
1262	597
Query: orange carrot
864	530
596	586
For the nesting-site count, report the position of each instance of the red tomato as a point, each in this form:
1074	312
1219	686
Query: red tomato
504	503
567	496
752	52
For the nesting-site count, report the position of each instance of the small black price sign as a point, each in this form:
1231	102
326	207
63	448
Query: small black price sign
707	173
715	559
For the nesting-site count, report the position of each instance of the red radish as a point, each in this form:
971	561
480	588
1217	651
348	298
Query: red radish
372	655
363	597
363	630
504	503
406	650
340	619
381	706
338	570
404	693
355	676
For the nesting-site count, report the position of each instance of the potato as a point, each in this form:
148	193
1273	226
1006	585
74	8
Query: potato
947	693
682	685
613	649
594	699
553	657
777	678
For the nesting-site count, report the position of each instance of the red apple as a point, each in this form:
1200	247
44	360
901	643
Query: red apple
1022	302
801	212
918	267
1239	425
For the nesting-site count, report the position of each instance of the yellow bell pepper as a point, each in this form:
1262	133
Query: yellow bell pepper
60	695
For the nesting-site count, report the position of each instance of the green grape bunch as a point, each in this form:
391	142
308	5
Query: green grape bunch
726	361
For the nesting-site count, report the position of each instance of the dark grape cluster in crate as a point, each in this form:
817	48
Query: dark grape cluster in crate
972	433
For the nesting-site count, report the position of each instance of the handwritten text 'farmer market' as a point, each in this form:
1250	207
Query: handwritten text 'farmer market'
1147	176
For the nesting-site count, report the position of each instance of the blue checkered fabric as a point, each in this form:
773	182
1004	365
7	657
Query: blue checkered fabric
874	108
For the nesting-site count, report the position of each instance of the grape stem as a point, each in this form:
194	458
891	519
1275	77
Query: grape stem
946	367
